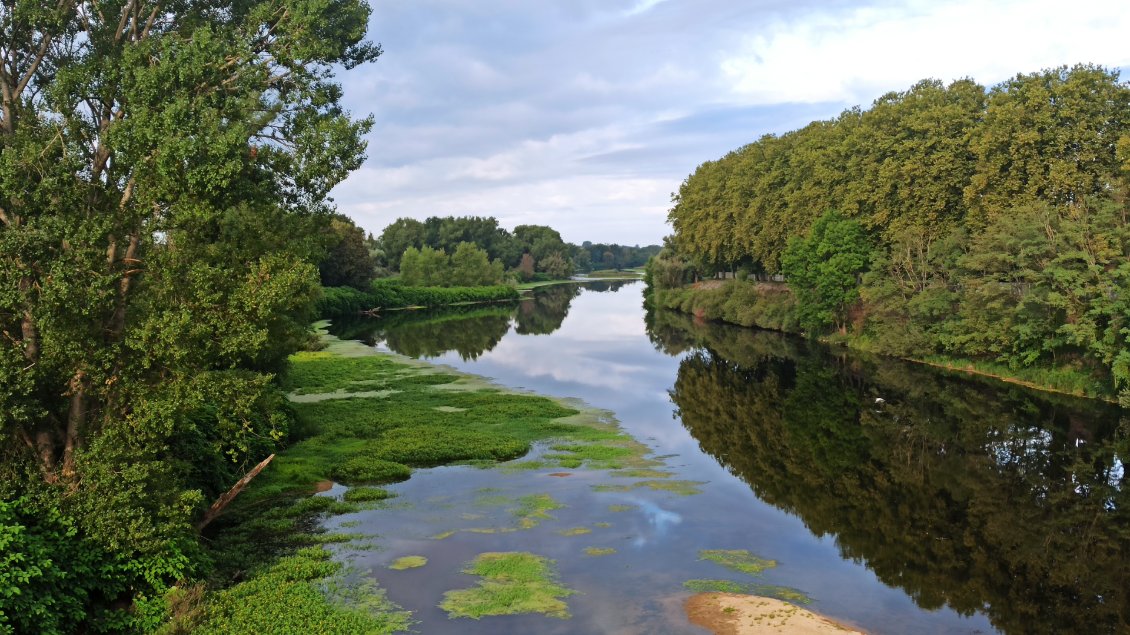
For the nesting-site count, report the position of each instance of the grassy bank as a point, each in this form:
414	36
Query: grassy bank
773	307
390	295
365	419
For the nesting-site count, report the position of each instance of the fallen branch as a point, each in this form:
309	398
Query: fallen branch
223	501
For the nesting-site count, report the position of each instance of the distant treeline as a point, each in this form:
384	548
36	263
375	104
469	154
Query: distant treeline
952	220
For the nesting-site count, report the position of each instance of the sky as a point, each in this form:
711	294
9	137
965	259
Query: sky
585	115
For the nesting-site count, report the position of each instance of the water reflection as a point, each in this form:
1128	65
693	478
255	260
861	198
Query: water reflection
470	331
967	494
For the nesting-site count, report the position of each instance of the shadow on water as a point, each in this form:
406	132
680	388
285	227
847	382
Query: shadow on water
469	330
969	494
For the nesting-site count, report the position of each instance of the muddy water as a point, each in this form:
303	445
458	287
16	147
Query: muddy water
898	498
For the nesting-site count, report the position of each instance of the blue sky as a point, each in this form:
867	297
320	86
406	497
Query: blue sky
586	114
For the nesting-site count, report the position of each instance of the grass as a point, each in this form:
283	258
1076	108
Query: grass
737	559
1065	380
366	494
408	562
512	583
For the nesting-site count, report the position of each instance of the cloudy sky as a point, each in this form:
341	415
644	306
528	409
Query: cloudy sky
586	114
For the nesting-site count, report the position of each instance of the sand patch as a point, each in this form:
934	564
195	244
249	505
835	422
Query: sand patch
730	614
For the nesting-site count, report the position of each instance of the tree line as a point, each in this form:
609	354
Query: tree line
476	248
944	220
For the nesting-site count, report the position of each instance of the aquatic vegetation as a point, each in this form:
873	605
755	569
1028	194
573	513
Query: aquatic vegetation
291	597
362	468
642	473
788	594
602	525
622	508
681	488
737	559
408	562
512	583
366	494
574	531
520	466
599	551
535	508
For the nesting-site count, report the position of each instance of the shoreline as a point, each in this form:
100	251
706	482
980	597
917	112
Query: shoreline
736	614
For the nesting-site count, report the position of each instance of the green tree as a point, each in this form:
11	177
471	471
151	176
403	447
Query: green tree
823	270
526	267
164	169
557	266
399	236
347	262
470	267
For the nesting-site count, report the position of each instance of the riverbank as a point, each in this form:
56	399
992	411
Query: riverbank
771	306
735	614
364	420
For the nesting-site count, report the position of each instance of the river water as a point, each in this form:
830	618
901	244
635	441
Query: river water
898	498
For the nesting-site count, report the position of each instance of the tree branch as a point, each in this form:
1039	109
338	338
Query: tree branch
223	501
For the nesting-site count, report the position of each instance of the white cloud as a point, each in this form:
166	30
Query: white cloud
856	56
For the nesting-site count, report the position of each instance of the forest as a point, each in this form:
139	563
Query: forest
945	222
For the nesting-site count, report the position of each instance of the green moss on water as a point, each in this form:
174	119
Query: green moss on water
535	508
366	494
599	551
787	594
512	583
408	562
680	488
574	531
602	525
299	594
737	560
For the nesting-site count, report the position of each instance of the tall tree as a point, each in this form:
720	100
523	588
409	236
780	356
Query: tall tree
163	168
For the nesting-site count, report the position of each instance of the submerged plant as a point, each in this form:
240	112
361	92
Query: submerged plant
512	583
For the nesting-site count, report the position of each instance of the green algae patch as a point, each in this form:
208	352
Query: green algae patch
366	494
737	560
574	531
513	583
642	473
535	508
602	525
680	488
408	562
599	551
621	508
787	594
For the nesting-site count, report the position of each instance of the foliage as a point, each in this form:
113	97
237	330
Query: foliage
997	219
347	262
390	294
556	266
526	268
164	180
823	270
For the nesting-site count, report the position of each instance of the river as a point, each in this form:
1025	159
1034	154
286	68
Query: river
897	498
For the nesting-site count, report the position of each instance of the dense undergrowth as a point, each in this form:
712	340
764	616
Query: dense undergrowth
390	294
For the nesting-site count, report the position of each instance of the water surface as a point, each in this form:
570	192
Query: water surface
899	498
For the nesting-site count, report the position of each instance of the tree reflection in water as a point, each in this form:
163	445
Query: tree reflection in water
966	493
468	330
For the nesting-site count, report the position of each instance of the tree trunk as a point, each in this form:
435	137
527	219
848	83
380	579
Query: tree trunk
223	501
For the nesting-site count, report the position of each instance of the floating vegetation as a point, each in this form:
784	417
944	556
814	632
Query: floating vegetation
599	551
788	594
621	508
408	562
512	583
492	500
535	508
681	488
362	468
642	473
574	531
737	559
349	524
522	466
602	525
366	494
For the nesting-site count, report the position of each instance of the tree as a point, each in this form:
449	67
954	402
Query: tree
400	235
556	266
823	270
347	262
526	267
470	267
164	170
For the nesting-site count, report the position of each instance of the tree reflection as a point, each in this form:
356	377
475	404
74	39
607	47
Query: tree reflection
964	493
